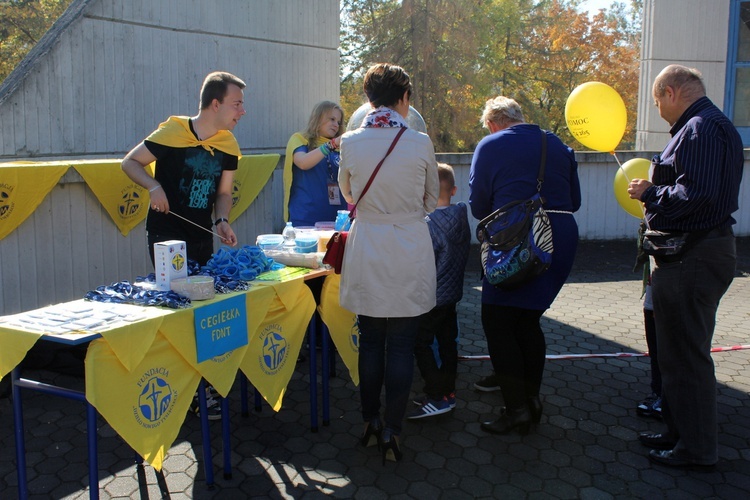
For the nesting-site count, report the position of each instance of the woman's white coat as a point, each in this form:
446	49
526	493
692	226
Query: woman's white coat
389	263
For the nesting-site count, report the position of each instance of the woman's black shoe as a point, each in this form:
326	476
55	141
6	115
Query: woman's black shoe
657	441
518	420
373	434
535	409
390	447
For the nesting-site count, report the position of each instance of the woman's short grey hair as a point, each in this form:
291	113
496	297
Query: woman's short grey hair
502	110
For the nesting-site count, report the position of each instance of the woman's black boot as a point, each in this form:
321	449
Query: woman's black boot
535	409
518	420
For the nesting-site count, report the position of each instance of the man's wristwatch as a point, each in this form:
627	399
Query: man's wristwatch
220	220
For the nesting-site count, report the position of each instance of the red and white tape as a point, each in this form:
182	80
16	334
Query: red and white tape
606	355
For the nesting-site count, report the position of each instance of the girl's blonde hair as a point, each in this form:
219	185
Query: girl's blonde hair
319	111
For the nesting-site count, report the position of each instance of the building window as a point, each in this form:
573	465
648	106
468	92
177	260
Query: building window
737	103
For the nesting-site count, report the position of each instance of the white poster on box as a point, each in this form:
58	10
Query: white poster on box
170	262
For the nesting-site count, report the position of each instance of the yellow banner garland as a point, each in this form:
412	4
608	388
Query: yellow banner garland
23	187
125	201
252	174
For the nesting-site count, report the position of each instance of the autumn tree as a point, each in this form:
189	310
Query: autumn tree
22	24
434	41
459	53
558	49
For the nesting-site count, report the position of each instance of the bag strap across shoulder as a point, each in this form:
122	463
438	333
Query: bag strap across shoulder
543	163
377	168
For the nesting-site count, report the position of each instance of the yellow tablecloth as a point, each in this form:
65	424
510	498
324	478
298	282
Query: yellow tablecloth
141	376
342	325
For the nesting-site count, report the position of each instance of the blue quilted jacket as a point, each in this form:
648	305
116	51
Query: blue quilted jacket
451	237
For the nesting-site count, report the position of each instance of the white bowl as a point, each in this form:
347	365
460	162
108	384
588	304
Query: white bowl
194	287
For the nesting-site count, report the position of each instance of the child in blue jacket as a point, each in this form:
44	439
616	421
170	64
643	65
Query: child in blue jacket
451	237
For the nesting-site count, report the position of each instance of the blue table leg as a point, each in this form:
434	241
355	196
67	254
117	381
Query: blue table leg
258	400
23	491
226	438
19	383
91	434
311	339
332	360
205	434
243	395
325	346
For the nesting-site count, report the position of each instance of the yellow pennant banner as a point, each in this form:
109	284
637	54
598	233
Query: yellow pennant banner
150	402
253	172
23	187
15	344
131	341
342	325
272	353
125	201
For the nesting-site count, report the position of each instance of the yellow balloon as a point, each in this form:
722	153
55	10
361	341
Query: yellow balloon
637	168
596	116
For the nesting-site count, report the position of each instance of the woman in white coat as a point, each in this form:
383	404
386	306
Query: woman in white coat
388	275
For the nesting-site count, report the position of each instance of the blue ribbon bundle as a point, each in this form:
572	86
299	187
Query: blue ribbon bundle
124	292
244	263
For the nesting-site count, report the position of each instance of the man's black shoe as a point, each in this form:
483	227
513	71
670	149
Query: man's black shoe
667	458
656	441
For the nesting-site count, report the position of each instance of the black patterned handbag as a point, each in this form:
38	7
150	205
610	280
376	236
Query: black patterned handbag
516	239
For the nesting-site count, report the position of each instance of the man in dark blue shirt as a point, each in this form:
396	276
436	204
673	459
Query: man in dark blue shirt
694	189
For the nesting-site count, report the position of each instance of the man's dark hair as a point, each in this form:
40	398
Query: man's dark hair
215	87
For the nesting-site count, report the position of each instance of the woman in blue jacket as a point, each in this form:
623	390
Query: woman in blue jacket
504	169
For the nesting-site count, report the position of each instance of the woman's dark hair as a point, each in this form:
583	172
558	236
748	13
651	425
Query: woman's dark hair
385	84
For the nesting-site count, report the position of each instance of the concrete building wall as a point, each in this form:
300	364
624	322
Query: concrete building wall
105	75
109	71
689	32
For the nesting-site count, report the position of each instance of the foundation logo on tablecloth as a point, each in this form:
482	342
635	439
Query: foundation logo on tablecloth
354	335
6	201
274	353
156	399
130	201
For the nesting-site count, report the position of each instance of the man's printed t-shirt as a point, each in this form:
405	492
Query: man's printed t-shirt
190	178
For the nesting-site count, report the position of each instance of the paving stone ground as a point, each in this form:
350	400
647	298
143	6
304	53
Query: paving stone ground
585	446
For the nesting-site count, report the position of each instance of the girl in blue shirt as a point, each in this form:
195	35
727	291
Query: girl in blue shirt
311	168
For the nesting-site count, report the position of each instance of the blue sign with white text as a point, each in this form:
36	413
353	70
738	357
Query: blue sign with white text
220	327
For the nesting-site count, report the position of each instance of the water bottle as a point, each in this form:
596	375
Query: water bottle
289	235
342	221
